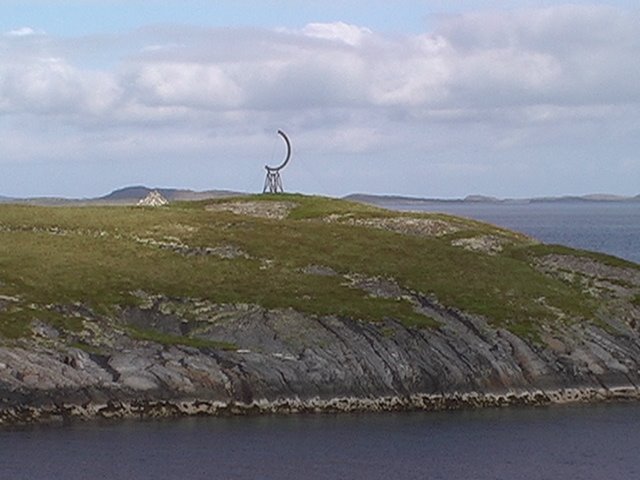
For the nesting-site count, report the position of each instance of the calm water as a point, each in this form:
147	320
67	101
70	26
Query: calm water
612	228
595	442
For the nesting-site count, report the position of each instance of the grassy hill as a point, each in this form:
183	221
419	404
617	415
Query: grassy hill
76	268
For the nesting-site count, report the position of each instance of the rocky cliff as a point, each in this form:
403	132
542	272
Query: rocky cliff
160	351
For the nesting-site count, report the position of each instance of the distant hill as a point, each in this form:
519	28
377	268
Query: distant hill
134	193
379	199
125	196
386	199
597	197
399	199
127	193
480	198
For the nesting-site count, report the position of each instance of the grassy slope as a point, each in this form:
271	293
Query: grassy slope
89	255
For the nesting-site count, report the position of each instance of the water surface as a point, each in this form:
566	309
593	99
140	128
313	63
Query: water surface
578	442
608	227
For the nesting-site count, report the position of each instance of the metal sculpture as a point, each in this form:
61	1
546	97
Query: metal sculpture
273	182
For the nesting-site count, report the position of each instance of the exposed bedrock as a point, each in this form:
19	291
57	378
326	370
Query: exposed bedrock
284	361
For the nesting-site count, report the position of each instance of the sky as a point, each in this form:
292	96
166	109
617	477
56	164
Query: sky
421	98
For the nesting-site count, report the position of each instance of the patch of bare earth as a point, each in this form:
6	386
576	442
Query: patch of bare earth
589	267
617	288
379	287
424	227
319	270
266	209
595	278
489	244
175	245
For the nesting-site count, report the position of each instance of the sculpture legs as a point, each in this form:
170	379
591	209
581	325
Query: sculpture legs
273	182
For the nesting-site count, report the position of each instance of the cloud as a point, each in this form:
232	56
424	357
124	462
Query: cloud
189	85
23	32
339	31
48	86
478	87
561	55
555	56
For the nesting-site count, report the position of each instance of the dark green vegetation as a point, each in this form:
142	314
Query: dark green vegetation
55	262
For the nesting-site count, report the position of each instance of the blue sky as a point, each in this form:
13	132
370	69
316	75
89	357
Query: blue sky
87	17
425	98
97	16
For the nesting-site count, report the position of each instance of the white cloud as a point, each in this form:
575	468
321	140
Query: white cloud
481	83
23	32
54	86
190	85
339	31
475	61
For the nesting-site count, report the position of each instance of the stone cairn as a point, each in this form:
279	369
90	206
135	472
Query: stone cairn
153	199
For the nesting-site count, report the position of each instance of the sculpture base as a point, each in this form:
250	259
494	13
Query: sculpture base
273	182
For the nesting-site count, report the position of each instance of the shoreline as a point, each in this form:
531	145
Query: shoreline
55	414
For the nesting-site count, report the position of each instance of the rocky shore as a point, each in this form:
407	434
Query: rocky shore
158	409
304	304
283	361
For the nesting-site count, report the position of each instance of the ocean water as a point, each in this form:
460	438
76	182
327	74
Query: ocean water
578	442
608	227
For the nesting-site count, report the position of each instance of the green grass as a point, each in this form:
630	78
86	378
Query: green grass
167	339
16	320
540	250
15	324
89	255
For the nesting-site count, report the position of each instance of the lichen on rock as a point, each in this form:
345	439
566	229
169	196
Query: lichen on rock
264	209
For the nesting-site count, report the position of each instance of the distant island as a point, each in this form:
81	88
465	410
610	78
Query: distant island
126	196
132	194
399	199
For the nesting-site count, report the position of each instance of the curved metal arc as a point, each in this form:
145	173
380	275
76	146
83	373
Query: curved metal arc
288	157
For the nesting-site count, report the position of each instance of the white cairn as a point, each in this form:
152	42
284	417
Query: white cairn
153	199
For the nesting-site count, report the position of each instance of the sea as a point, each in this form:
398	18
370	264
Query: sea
563	442
607	227
588	442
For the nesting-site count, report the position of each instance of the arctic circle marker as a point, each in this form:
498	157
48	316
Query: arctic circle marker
273	181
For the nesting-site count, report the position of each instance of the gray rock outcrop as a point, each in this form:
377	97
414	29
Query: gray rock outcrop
261	360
